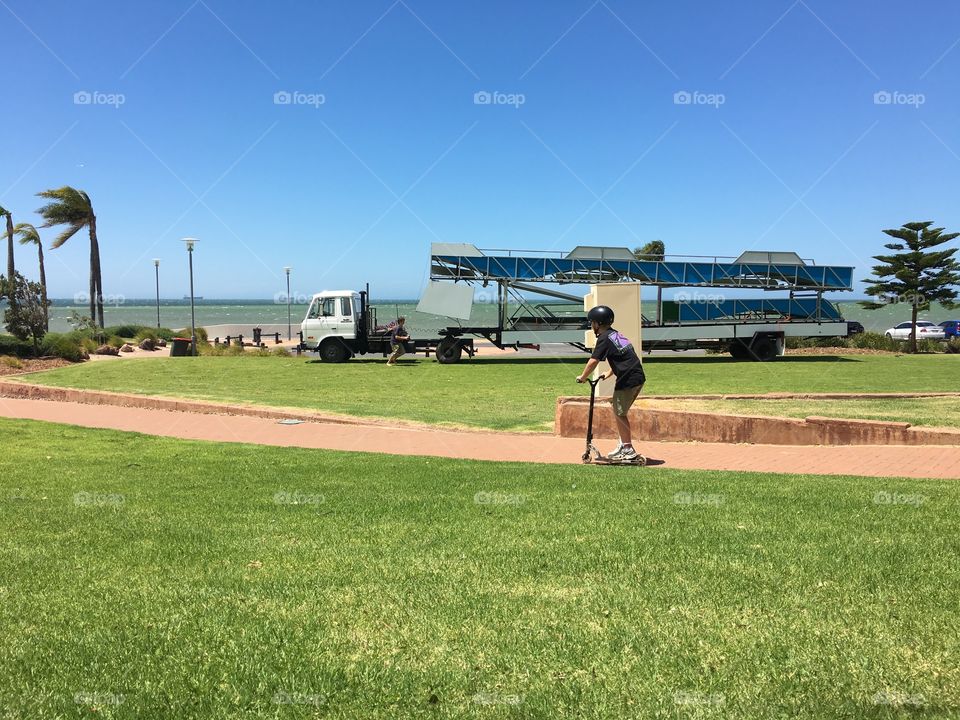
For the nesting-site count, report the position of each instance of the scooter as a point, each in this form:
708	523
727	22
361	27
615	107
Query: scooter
592	454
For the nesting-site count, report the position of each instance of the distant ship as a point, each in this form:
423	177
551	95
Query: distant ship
195	297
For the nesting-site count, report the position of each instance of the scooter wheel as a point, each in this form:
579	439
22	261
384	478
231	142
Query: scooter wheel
585	458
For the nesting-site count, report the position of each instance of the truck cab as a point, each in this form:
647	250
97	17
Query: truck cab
330	325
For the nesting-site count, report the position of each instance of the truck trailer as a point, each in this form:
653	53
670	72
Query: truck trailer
747	328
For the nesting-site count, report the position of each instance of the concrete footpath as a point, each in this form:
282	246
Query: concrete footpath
875	461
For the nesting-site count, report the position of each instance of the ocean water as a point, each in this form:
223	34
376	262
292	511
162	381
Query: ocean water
175	314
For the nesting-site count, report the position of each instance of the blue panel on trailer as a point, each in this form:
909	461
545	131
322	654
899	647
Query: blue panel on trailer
785	308
670	272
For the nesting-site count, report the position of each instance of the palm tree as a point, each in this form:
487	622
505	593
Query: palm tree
29	235
72	207
11	267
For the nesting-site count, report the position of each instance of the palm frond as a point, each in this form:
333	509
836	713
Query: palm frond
66	235
28	234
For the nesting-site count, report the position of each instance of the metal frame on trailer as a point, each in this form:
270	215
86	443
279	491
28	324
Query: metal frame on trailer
697	324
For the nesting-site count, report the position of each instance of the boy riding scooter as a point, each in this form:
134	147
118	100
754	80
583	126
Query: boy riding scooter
625	363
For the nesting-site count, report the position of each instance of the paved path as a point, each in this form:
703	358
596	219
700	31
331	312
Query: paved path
883	461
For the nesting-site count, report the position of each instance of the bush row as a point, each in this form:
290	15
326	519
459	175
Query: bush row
874	341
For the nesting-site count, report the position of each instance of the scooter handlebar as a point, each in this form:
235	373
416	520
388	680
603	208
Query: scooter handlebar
593	383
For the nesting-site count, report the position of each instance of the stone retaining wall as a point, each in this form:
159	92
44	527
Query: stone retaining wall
681	426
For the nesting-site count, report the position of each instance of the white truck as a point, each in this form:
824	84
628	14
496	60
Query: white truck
340	324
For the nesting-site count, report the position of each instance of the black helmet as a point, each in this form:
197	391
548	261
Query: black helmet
601	314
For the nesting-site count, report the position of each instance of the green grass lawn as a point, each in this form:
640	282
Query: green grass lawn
145	577
501	393
934	412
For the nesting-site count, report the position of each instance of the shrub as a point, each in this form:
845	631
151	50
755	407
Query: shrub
116	341
10	362
9	345
26	313
89	344
125	331
874	341
929	346
280	352
165	334
219	350
62	346
145	333
952	347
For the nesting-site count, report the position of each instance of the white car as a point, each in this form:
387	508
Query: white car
926	330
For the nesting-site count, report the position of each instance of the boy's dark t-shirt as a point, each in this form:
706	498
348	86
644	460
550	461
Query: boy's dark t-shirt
615	348
398	330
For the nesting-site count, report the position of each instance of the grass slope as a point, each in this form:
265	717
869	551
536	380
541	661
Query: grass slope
934	412
518	393
145	577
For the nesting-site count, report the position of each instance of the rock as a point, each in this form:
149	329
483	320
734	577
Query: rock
127	347
161	343
106	350
148	344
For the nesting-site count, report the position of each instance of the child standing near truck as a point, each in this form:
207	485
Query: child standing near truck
397	339
625	363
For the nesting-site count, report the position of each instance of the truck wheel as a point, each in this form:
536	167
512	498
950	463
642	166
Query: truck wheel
333	351
763	349
449	351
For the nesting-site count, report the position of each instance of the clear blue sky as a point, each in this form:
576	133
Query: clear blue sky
798	156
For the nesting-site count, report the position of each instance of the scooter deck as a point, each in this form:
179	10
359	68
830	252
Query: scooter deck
589	459
640	460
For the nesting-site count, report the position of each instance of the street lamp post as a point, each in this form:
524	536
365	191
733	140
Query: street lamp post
156	265
289	331
193	321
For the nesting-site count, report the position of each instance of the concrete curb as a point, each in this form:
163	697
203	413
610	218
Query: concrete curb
681	426
27	391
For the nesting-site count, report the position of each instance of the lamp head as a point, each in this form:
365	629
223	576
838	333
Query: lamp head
190	243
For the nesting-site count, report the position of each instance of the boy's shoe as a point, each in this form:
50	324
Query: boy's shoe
615	455
628	455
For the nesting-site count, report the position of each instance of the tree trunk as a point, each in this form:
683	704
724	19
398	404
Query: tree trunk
93	289
95	277
43	289
913	330
11	267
